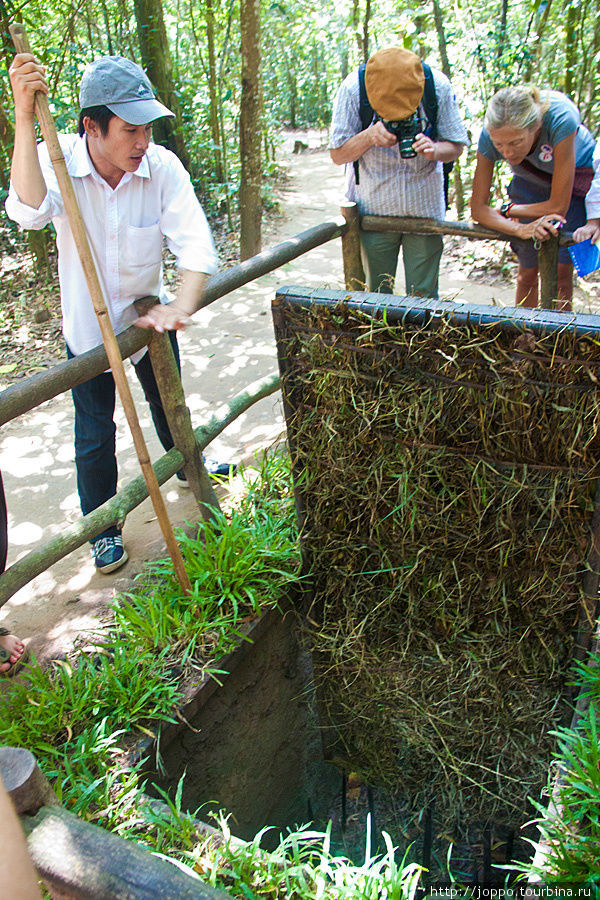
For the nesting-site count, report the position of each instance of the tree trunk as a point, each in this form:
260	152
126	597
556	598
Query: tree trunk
156	60
531	69
355	24
459	192
6	145
213	91
365	35
571	59
499	80
109	45
250	131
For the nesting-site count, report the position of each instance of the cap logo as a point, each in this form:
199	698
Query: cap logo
141	89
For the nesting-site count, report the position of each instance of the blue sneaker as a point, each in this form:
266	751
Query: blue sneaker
109	553
220	469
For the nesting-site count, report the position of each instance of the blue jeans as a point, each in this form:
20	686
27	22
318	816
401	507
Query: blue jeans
95	432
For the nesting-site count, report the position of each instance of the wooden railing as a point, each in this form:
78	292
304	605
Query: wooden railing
353	268
31	392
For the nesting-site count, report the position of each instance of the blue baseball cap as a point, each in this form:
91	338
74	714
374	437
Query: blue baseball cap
123	87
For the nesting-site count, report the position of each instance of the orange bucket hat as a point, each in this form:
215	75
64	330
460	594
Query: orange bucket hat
394	80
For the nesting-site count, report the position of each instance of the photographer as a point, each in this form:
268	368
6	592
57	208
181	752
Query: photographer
395	122
550	152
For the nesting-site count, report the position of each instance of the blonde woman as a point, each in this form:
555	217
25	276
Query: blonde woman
550	152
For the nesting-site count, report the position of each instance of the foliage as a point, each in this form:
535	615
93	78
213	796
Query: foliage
571	826
308	48
73	715
303	867
238	565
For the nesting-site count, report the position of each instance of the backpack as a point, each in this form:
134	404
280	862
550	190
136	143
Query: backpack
430	105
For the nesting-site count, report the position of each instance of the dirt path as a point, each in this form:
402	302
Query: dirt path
230	345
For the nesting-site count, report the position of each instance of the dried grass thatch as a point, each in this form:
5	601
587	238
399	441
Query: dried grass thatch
446	476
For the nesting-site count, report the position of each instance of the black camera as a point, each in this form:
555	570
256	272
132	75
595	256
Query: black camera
405	132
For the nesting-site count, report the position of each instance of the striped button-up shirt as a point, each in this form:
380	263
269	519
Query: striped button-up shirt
389	185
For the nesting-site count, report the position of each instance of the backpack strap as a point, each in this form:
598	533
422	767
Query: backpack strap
430	101
365	110
430	105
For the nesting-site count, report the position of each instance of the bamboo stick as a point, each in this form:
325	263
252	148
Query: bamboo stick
108	336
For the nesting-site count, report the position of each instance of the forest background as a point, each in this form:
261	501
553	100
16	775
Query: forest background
237	72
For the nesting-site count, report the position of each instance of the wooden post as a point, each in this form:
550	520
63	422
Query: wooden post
548	269
354	274
171	392
80	237
25	784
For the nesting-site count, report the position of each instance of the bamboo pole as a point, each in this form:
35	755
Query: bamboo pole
76	222
417	225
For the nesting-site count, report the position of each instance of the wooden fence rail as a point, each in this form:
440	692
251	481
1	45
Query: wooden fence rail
25	395
31	392
353	268
115	510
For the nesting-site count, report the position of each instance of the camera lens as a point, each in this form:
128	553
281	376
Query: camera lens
406	147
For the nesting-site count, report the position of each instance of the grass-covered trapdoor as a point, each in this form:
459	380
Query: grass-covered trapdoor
445	460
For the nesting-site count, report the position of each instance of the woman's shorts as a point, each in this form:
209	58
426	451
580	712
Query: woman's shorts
522	191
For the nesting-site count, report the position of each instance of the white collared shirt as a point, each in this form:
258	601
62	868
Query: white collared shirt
390	185
125	227
592	200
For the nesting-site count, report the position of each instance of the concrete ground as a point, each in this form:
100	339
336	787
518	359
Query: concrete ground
230	345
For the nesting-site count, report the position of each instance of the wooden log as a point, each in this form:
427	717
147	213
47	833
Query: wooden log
115	510
178	416
416	225
30	392
548	269
224	282
78	860
27	786
354	273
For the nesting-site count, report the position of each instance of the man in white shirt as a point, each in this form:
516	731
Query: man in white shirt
381	130
591	229
132	194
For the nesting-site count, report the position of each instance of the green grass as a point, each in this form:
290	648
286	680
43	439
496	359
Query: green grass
74	714
239	566
573	832
303	867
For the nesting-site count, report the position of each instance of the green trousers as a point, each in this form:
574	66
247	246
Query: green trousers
421	254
